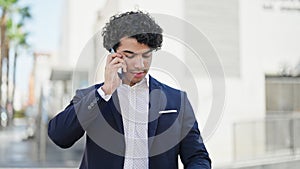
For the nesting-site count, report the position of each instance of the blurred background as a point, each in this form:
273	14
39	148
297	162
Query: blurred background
257	42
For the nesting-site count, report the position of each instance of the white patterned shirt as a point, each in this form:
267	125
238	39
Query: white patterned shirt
134	108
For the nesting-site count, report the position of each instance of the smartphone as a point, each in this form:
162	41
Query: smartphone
120	71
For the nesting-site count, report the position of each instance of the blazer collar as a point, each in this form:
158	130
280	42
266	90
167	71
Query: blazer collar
116	111
156	100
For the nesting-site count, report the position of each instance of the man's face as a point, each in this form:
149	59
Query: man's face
138	59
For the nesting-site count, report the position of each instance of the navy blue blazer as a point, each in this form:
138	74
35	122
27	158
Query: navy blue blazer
170	134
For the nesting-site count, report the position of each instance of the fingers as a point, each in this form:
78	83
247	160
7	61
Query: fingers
123	63
124	67
116	60
118	65
110	57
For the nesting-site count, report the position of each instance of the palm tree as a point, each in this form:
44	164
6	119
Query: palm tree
6	7
19	41
11	34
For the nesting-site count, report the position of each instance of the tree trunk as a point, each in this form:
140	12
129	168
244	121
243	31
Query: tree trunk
14	78
2	40
0	80
7	77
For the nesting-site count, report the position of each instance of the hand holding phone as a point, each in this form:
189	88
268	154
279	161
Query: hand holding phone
120	72
115	65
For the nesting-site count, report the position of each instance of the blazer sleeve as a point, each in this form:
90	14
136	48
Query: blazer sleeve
193	153
68	126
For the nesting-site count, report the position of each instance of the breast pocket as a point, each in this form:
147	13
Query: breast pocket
166	120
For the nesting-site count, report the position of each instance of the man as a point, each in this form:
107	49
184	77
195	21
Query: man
132	120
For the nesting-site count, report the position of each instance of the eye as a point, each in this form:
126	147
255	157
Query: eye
147	55
130	56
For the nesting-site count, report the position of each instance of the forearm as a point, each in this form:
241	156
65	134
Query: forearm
192	149
64	129
70	124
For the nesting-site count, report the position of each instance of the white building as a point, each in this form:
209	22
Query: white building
252	38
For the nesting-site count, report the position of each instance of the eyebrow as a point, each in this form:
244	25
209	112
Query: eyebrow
128	51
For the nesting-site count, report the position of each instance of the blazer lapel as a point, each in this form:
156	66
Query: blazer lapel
116	112
155	101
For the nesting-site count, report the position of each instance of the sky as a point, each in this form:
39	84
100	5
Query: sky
44	34
44	25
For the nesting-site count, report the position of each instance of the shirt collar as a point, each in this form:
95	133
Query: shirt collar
147	79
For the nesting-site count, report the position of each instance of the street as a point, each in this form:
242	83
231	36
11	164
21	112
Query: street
17	150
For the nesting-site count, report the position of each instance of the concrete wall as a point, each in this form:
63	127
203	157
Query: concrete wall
250	42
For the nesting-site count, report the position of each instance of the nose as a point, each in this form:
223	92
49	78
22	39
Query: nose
139	62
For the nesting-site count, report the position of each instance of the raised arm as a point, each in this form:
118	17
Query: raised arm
68	126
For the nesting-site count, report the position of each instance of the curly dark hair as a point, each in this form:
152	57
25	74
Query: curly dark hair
135	24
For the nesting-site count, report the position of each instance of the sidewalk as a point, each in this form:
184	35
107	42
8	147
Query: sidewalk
18	151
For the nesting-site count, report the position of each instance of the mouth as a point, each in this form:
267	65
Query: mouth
138	74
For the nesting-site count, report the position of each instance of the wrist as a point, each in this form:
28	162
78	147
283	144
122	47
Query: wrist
104	96
106	90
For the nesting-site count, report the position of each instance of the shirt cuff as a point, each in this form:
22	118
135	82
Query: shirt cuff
104	96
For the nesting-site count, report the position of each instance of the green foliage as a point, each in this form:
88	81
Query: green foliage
24	12
14	27
16	34
19	113
9	23
5	4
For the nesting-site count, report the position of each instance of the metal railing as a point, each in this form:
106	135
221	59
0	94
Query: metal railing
266	138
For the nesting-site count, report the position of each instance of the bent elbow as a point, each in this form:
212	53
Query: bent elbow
57	137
